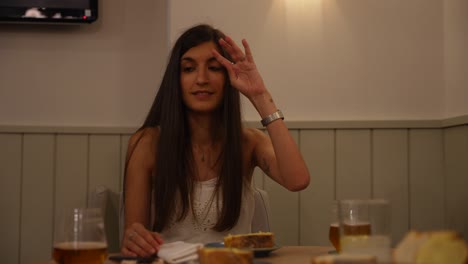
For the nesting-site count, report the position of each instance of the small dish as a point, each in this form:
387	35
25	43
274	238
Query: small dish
258	252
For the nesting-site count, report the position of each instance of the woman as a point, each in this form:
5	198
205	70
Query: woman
189	167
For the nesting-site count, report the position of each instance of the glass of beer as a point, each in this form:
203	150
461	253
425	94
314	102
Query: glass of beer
365	227
80	237
334	232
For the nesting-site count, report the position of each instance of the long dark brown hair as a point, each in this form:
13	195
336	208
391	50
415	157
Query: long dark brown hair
173	177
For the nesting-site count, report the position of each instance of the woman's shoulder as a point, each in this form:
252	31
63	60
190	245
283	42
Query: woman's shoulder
252	135
146	136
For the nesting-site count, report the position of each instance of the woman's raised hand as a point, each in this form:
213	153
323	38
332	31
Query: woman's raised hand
242	69
139	241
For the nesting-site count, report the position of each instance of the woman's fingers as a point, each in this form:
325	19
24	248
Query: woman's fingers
136	249
140	241
248	52
150	242
221	59
127	252
157	237
234	51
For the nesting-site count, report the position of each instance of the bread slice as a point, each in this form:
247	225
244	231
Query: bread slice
345	259
406	250
252	240
432	247
224	256
443	247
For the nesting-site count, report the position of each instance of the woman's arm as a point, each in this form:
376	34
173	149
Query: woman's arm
279	157
138	240
276	153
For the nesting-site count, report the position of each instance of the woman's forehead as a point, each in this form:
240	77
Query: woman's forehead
202	51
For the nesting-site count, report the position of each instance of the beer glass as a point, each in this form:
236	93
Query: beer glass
365	228
334	232
80	237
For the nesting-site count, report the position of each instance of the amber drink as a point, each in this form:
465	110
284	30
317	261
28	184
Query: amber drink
334	235
84	252
356	229
334	230
80	237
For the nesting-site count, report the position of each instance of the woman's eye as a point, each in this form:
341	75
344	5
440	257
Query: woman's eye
215	68
188	69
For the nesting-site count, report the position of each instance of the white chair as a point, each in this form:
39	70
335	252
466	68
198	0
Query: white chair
106	199
262	213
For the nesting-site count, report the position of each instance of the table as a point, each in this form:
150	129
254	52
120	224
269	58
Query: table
294	254
286	255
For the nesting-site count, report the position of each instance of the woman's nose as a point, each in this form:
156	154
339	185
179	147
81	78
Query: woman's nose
202	76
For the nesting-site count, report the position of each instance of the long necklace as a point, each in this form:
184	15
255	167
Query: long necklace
203	154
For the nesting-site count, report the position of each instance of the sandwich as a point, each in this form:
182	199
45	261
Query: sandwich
443	246
252	240
224	256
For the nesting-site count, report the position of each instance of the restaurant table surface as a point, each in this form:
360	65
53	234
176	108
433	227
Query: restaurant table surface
285	254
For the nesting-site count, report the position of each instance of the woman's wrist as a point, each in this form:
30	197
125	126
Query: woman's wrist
264	104
272	118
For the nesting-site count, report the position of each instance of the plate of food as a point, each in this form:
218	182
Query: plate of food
261	243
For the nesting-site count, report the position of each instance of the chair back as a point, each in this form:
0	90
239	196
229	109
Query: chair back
262	213
108	200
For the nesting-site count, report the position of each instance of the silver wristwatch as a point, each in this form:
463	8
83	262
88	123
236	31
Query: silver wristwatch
275	116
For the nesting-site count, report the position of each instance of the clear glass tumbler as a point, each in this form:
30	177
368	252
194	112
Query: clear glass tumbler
79	237
365	228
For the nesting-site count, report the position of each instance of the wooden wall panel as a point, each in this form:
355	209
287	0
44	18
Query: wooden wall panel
353	164
37	198
423	172
259	177
318	150
123	155
71	176
390	176
456	172
284	210
119	199
104	170
104	162
10	196
426	179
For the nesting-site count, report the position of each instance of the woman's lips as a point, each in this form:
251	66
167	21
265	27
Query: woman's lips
202	94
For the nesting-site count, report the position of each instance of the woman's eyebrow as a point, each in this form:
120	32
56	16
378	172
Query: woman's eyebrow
212	59
190	59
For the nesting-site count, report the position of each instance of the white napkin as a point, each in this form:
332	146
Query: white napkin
178	252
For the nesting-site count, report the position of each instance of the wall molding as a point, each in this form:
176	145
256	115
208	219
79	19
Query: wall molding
343	124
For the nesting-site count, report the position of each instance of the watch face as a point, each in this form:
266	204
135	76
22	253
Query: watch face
276	115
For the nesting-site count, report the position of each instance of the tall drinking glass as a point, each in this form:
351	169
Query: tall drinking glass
80	237
365	228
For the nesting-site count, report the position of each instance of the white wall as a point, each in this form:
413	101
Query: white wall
337	59
321	59
103	74
456	57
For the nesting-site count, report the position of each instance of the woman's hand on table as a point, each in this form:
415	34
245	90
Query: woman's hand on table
139	241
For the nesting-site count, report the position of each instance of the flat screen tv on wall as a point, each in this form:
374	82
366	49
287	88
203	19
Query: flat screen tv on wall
49	11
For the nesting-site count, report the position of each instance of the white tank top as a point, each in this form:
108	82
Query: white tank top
197	226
